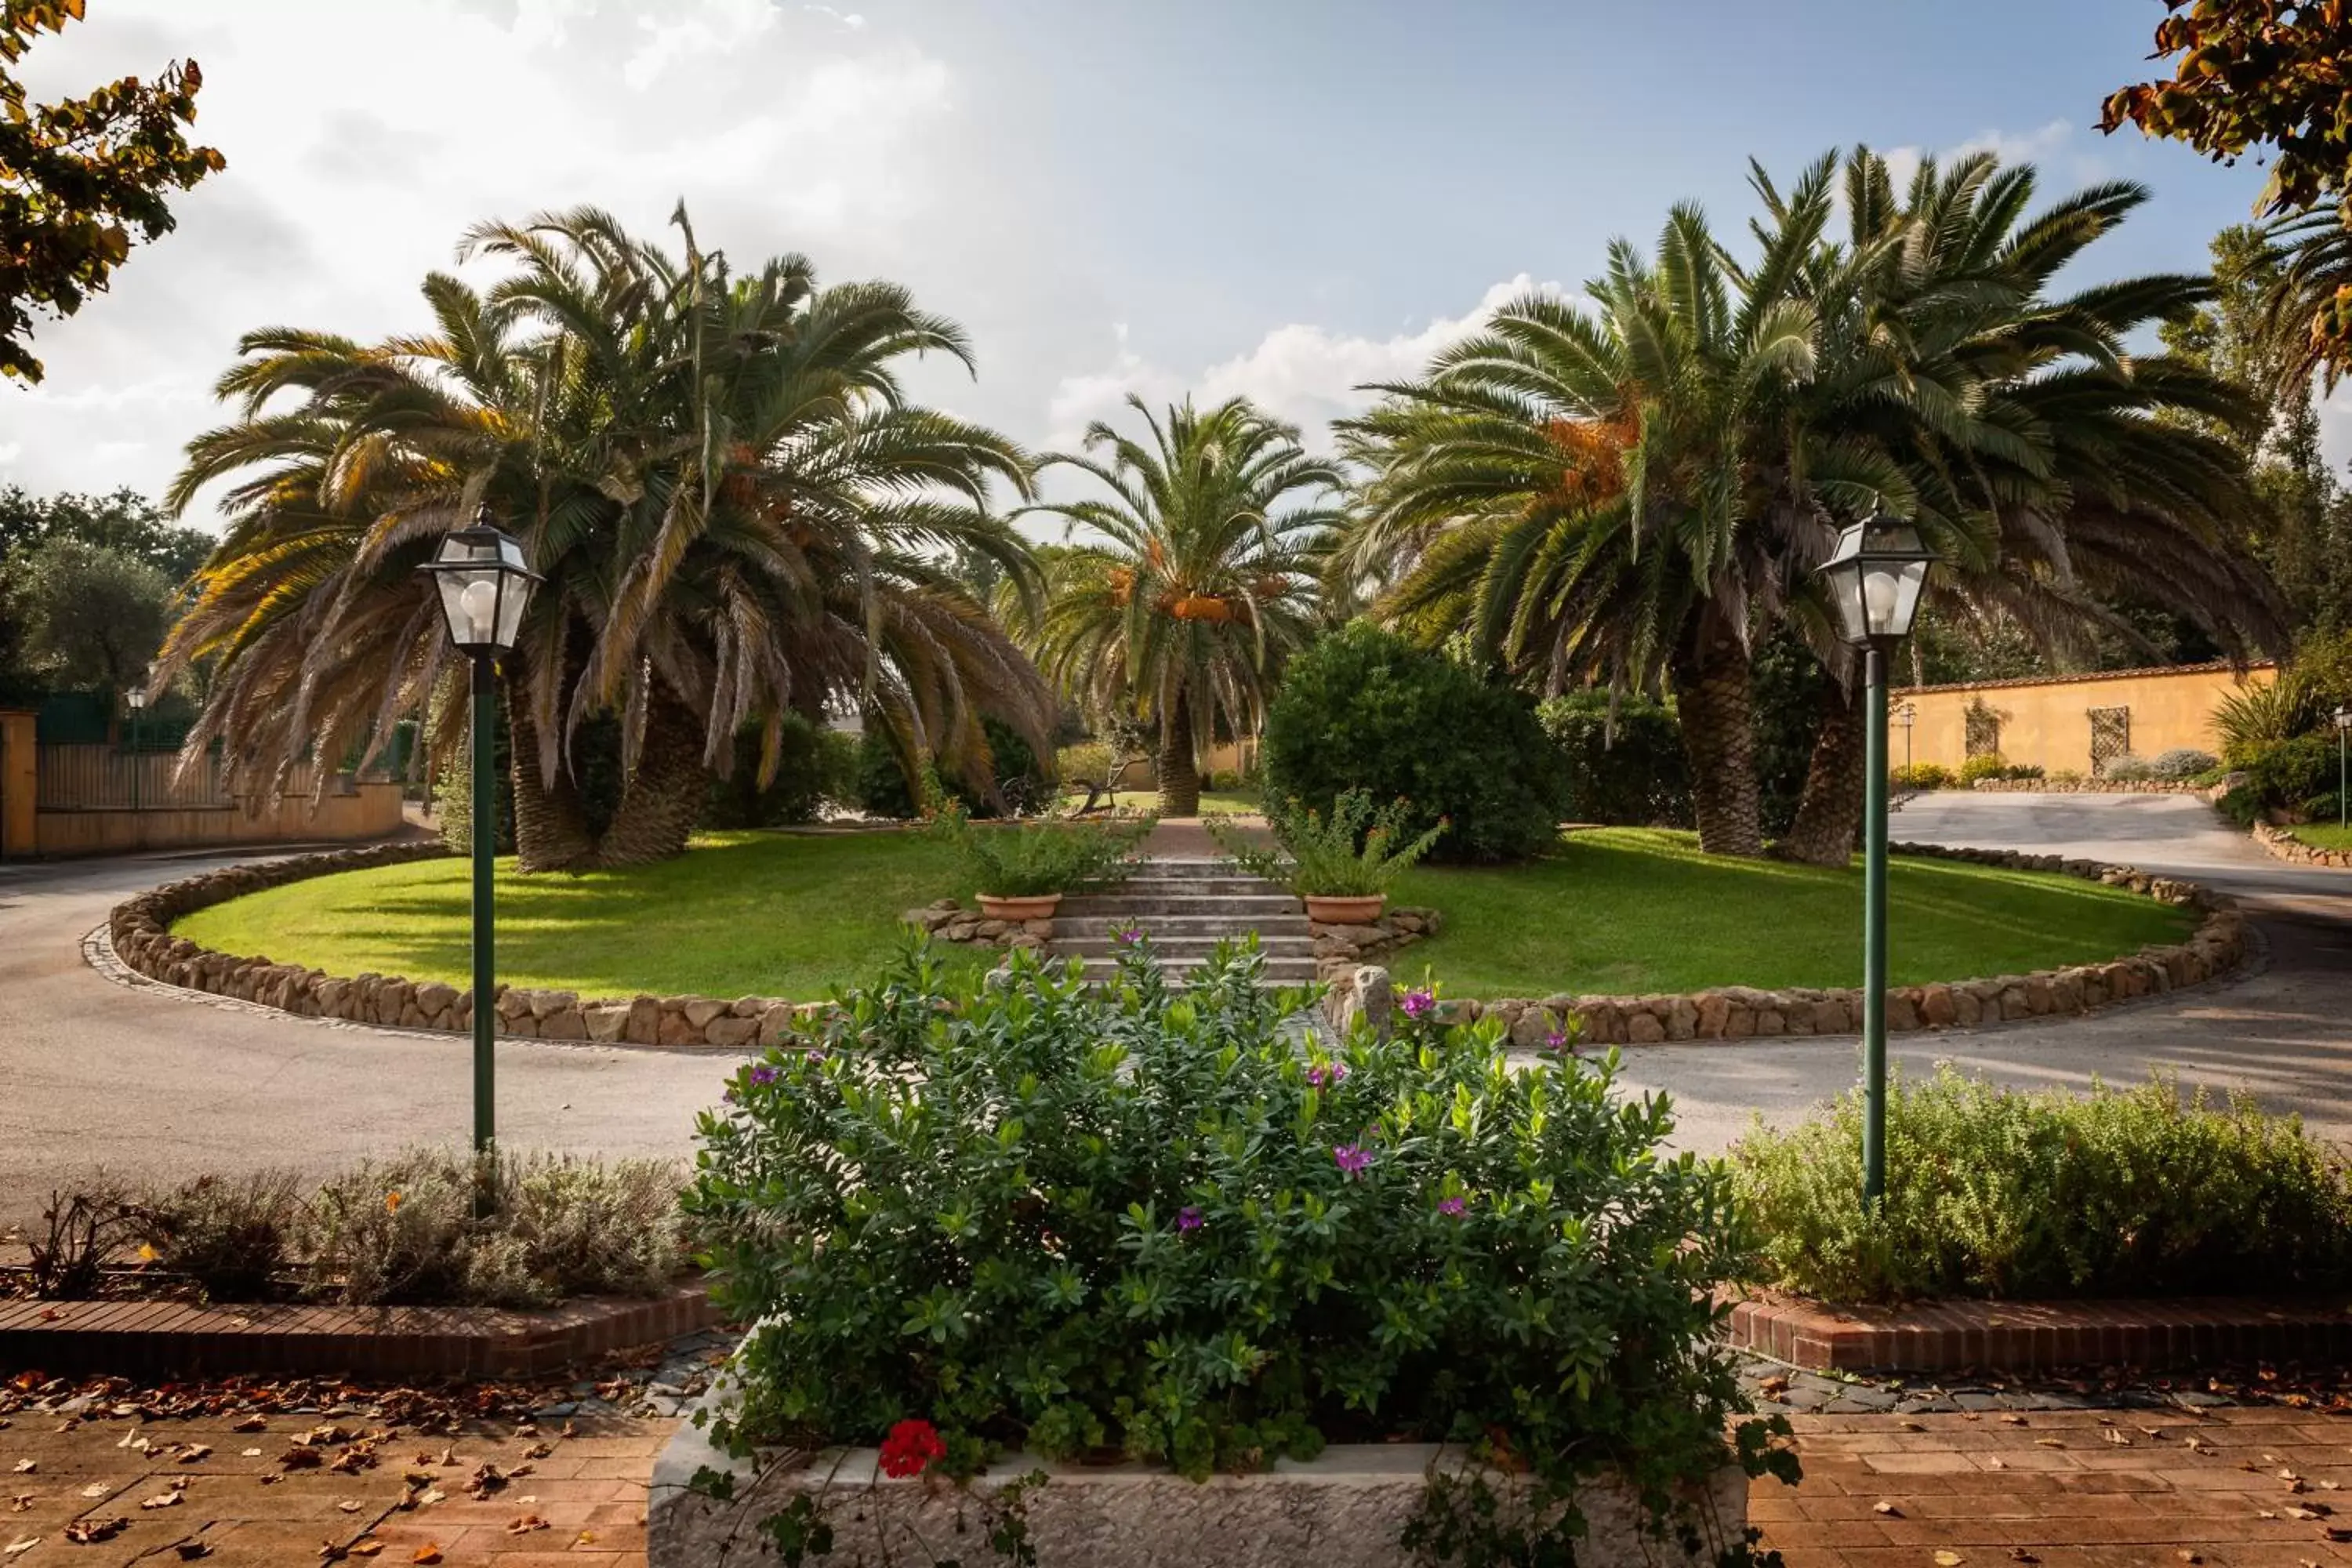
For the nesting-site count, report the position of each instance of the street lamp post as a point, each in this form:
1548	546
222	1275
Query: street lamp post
2342	807
135	699
484	587
1875	577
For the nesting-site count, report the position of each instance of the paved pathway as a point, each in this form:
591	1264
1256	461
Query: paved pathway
2284	1033
153	1085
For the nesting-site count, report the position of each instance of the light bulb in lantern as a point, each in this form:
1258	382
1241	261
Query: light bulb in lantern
1879	591
478	600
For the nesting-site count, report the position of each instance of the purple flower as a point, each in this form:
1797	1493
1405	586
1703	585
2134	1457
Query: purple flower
1557	1039
816	1055
1127	936
1324	1076
764	1075
1451	1208
1420	1002
1351	1158
1187	1218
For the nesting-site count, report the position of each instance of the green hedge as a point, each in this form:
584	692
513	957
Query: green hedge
1363	708
1627	769
1995	1192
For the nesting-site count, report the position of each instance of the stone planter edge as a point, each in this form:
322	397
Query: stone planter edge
2281	845
1350	1505
2217	949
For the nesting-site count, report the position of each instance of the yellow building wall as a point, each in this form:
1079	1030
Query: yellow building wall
2047	724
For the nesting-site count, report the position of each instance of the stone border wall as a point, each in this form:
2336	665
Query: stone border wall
2282	845
2087	786
139	931
2217	947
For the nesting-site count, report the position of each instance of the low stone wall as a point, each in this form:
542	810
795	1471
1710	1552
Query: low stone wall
2217	947
2282	845
1350	1505
948	921
140	931
1340	948
2086	787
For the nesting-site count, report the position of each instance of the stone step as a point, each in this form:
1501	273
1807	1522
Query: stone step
1274	972
1127	905
1227	887
1195	945
1166	928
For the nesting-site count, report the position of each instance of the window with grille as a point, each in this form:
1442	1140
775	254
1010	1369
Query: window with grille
1983	730
2110	738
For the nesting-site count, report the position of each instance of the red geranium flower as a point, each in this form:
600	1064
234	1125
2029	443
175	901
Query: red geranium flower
910	1447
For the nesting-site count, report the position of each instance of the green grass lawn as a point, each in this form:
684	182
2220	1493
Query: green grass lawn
741	914
1612	911
1627	911
2322	834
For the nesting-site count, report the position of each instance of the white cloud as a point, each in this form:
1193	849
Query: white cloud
2051	147
1304	374
782	128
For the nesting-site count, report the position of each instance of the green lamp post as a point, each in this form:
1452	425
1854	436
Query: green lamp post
484	587
136	700
2343	806
1874	578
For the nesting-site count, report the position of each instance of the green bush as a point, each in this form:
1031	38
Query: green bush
2291	773
1032	858
1022	782
1045	1214
1921	776
1365	709
815	766
404	1230
2181	763
1983	765
1357	853
1994	1192
229	1234
2129	769
1628	769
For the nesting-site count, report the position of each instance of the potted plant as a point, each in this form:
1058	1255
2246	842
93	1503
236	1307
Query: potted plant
1341	867
1022	869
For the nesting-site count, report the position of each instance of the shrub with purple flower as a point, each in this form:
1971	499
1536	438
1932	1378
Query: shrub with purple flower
1050	1216
1419	1003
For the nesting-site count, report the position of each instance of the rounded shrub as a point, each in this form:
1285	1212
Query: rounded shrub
1626	768
1025	785
1995	1192
1922	776
2182	762
1047	1216
1983	765
1363	708
815	766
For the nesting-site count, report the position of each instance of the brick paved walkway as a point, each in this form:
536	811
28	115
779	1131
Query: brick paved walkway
2240	1488
581	1504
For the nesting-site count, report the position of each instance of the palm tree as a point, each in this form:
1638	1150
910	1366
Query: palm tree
1627	496
1197	580
1604	495
738	513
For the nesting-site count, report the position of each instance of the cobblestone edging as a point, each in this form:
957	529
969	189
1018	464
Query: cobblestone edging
2025	1336
139	931
141	1338
2087	786
2217	947
2281	845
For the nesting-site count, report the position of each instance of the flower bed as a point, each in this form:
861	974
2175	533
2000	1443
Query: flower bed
1050	1219
2087	786
2217	947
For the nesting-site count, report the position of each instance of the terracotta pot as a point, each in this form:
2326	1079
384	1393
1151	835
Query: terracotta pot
1350	911
1039	908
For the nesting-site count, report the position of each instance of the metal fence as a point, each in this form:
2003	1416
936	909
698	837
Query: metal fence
85	777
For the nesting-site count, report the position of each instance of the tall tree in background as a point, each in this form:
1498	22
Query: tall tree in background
79	177
1196	578
91	617
739	514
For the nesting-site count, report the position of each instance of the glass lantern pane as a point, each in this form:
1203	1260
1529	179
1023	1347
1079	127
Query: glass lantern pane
1844	581
513	595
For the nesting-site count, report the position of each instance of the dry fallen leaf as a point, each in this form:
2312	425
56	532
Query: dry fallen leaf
85	1532
1888	1508
2019	1554
13	1547
251	1453
2188	1556
1995	1465
1911	1425
526	1524
585	1538
190	1551
367	1548
1948	1559
2048	1443
96	1489
539	1451
428	1553
162	1500
192	1453
26	1467
251	1423
2117	1439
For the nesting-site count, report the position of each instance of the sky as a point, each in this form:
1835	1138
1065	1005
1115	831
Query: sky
1280	198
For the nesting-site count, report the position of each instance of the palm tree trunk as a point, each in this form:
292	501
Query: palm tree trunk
1828	813
664	794
1712	692
1180	776
551	829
